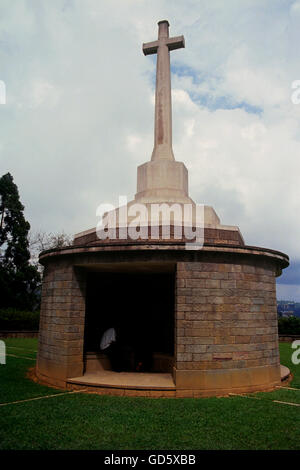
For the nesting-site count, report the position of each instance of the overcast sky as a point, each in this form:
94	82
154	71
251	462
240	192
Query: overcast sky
78	117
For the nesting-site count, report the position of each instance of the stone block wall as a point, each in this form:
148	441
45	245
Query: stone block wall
226	337
226	324
61	332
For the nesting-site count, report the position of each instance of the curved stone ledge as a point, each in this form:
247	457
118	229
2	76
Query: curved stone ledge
167	246
207	384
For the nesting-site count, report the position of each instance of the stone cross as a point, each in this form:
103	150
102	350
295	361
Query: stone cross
163	107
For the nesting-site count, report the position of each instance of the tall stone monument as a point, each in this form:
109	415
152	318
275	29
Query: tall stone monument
163	179
213	310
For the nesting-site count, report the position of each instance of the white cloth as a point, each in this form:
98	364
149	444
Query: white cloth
109	336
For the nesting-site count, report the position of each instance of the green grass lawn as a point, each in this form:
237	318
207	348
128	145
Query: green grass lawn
89	421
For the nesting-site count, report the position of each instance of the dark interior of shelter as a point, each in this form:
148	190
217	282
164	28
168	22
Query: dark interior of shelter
140	307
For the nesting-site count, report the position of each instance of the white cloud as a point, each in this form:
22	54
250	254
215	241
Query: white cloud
86	116
133	142
288	292
43	93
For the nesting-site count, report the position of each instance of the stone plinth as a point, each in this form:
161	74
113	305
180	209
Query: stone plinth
162	180
225	313
222	235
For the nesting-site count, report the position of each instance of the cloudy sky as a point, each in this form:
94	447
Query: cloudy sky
78	117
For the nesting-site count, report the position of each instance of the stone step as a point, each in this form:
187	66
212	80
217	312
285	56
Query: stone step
126	380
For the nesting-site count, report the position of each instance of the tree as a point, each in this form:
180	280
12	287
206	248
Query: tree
40	241
289	325
19	280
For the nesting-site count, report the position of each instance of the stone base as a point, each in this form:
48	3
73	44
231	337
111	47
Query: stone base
162	180
49	381
218	235
221	381
214	383
225	314
56	374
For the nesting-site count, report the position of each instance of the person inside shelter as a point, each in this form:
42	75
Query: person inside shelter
118	350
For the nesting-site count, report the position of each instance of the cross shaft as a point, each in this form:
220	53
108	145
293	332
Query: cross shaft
163	104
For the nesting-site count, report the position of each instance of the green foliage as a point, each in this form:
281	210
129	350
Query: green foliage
11	319
289	326
286	352
19	280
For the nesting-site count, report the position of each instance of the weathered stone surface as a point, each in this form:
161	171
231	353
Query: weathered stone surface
61	321
230	315
225	308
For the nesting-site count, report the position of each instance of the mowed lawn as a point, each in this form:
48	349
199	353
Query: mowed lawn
89	421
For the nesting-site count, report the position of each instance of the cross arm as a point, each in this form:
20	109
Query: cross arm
175	43
150	47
